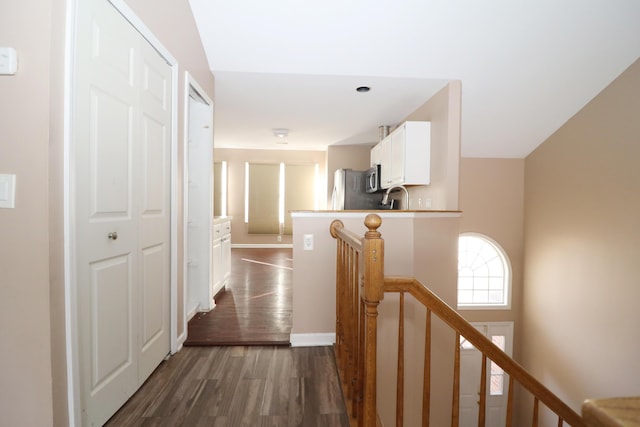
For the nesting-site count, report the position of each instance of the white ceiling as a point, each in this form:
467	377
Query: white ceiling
526	66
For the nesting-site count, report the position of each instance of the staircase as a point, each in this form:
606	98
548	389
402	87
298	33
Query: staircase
360	287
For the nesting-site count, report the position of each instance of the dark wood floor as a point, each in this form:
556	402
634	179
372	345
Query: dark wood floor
232	386
240	386
255	308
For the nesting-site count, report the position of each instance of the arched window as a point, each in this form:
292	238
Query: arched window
484	273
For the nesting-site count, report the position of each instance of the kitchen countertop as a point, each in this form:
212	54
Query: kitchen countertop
381	213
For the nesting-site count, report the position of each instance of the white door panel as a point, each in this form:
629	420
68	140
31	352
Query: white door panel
153	297
121	199
152	313
470	373
154	146
154	212
110	156
111	290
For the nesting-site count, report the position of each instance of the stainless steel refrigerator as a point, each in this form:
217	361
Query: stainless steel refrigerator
349	191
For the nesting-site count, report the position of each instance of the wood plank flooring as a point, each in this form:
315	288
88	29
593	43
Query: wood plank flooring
230	386
240	386
255	309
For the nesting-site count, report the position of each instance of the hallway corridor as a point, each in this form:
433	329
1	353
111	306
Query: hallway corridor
237	368
255	308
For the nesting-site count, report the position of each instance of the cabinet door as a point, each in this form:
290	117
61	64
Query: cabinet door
417	149
226	252
385	162
398	156
376	155
226	258
218	266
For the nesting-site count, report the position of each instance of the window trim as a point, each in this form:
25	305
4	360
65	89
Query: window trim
508	274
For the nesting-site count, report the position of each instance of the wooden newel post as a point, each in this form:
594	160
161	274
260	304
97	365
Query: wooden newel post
373	281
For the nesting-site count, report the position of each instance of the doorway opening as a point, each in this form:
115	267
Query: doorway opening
501	334
198	199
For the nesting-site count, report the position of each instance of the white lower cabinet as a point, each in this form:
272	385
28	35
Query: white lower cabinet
221	253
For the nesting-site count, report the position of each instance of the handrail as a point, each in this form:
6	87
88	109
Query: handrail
360	286
337	230
359	278
483	344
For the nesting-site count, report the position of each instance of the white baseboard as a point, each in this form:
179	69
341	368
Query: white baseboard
193	312
312	340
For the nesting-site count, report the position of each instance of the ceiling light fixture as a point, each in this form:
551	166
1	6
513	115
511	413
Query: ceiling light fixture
281	132
363	89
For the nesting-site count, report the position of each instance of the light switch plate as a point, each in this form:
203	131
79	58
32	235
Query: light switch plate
8	61
7	191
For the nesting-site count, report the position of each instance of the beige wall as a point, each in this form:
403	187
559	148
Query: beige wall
582	231
422	245
25	327
56	215
32	300
492	203
444	111
236	159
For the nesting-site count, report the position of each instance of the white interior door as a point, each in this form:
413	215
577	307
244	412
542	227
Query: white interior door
153	179
501	333
199	203
470	371
121	208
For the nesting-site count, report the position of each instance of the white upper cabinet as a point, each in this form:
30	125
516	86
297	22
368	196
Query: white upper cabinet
376	154
404	155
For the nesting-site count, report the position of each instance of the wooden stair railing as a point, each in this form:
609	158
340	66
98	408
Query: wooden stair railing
360	286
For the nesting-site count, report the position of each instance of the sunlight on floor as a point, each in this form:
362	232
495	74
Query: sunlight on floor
266	263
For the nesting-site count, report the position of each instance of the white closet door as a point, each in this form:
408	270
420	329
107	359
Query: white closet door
120	176
153	177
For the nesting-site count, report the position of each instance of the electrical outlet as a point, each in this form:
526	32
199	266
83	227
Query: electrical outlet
8	61
7	191
307	242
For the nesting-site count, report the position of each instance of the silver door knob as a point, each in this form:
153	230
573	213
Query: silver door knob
113	235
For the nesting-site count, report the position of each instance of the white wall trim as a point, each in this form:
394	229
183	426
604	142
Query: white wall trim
189	316
70	313
312	339
71	318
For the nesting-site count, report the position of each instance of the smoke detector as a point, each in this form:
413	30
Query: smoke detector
281	133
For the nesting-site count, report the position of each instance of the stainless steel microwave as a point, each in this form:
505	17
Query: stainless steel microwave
372	183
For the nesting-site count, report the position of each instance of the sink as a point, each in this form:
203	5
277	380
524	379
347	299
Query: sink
389	206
